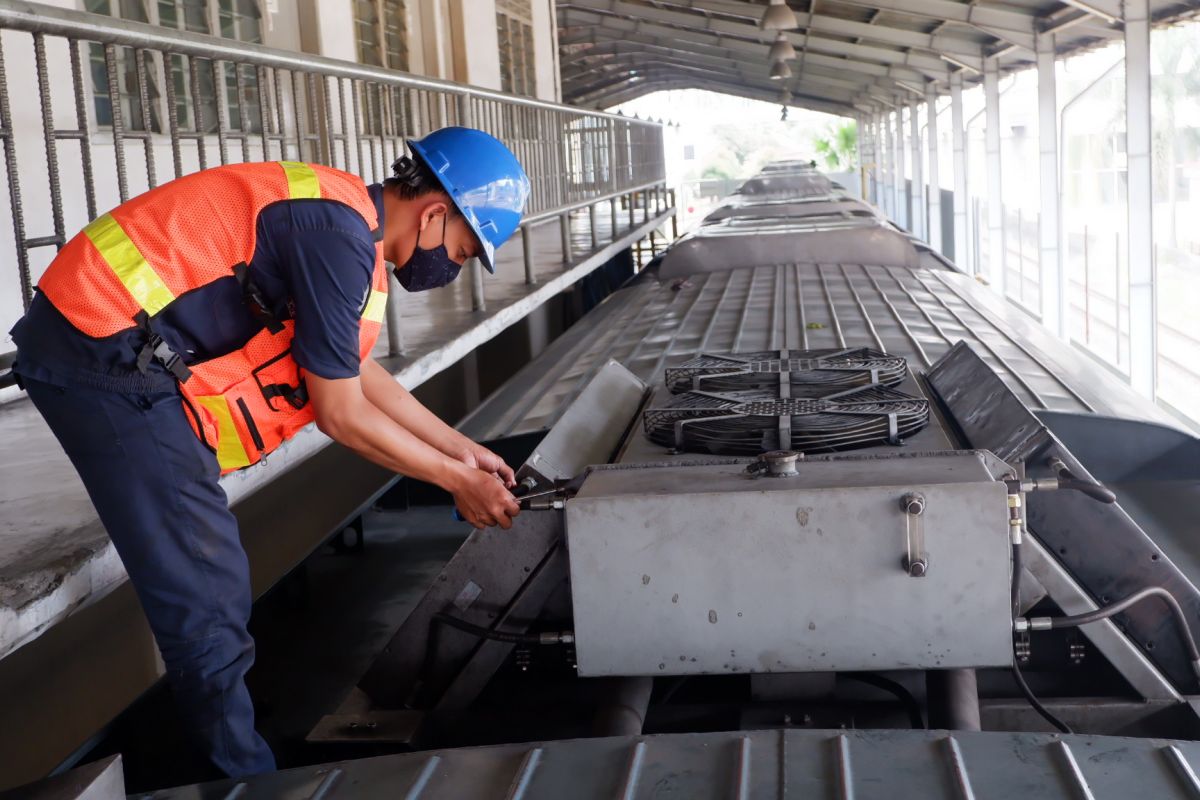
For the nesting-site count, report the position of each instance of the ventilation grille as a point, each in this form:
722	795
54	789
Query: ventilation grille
808	373
753	422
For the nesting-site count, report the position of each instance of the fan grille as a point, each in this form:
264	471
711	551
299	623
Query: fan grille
809	372
753	421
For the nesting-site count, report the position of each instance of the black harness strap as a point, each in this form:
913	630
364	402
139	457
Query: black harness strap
156	348
296	396
253	298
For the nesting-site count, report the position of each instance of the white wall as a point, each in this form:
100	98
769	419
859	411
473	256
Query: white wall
476	48
545	51
431	28
326	28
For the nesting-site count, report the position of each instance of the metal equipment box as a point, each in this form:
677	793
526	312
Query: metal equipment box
682	570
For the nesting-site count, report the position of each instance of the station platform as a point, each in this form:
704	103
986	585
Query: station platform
56	560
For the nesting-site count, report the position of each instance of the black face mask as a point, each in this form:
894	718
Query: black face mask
428	269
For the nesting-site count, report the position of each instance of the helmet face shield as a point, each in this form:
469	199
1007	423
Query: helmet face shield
483	178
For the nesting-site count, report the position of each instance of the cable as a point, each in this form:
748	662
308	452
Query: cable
1177	614
1016	667
1037	705
429	662
485	633
1185	632
902	694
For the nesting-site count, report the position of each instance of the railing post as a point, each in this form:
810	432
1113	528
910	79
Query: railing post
612	217
629	201
564	225
592	227
395	330
527	254
478	300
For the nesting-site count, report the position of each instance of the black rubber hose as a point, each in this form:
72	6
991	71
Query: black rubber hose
888	685
1185	632
1095	491
429	663
1068	480
1030	697
485	633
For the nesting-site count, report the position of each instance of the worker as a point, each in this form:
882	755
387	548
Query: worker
193	329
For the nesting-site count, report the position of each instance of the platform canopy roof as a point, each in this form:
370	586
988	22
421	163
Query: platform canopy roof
851	55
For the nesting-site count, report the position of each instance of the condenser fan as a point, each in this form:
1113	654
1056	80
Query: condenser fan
753	421
809	373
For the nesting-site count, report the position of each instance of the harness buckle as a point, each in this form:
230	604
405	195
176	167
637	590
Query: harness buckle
157	348
171	360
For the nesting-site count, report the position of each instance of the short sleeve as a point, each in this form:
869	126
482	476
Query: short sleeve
329	271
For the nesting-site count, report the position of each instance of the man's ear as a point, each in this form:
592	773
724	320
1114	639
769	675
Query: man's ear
431	212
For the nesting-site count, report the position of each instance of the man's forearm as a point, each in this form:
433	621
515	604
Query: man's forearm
405	410
369	432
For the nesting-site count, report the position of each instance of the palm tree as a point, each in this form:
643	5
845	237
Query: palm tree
839	146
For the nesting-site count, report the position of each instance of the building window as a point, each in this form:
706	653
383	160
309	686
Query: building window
126	69
233	19
381	28
514	34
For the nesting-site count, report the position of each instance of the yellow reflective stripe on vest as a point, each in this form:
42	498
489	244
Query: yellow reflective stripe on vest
127	262
376	305
230	452
302	180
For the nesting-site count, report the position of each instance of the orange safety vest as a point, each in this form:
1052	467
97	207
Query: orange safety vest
127	266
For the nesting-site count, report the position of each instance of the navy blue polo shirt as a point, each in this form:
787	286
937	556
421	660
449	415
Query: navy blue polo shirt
313	260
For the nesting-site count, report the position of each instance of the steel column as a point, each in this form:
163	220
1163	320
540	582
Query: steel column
1053	276
1142	311
934	201
889	182
916	205
958	135
858	152
995	211
873	161
880	150
899	189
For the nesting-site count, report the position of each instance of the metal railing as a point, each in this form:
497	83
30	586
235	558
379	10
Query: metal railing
123	106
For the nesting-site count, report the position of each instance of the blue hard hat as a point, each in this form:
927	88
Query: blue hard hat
482	177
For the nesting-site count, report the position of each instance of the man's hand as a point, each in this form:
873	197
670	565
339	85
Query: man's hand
482	499
479	457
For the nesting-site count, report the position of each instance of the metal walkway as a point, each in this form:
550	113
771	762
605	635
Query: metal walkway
813	765
917	313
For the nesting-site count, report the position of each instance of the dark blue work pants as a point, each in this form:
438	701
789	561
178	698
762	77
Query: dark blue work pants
154	485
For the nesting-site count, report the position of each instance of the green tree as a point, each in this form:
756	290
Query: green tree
838	146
